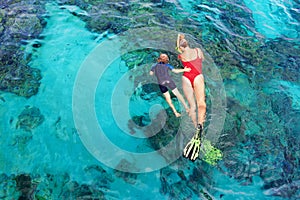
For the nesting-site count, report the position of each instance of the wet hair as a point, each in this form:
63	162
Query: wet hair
163	58
183	43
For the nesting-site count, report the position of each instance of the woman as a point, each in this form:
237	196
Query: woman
165	81
193	81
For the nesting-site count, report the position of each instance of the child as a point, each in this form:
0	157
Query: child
165	81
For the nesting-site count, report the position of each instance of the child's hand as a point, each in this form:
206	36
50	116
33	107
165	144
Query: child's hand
187	69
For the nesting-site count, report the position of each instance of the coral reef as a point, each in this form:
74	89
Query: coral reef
124	166
20	22
117	17
55	186
256	133
24	186
21	80
8	189
261	132
187	184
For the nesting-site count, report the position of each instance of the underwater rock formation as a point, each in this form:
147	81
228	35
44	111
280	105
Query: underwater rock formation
260	128
187	184
265	151
30	118
101	177
8	188
116	17
22	81
55	186
122	167
25	186
20	22
174	184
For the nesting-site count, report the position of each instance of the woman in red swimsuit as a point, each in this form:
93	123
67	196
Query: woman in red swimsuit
193	81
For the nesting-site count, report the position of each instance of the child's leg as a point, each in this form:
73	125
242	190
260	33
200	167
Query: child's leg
169	101
181	99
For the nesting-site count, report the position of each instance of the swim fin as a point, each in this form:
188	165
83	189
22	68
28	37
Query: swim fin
192	149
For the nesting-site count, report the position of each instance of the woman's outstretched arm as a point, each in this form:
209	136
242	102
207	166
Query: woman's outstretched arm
179	37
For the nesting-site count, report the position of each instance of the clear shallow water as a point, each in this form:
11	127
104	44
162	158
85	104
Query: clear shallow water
54	147
275	18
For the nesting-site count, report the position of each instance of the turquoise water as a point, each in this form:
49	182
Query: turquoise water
102	130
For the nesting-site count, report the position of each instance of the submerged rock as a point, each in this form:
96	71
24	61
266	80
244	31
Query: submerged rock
25	26
116	17
287	190
8	189
85	191
21	138
30	118
189	184
100	177
25	186
125	166
22	81
20	21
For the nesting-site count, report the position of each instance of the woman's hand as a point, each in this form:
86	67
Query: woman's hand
181	36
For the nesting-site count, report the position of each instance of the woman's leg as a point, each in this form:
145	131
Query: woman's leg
189	94
199	89
169	101
181	99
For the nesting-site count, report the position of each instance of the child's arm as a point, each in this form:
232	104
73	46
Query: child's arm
152	70
178	70
181	70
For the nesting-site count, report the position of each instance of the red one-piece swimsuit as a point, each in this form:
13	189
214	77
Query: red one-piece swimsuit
196	68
